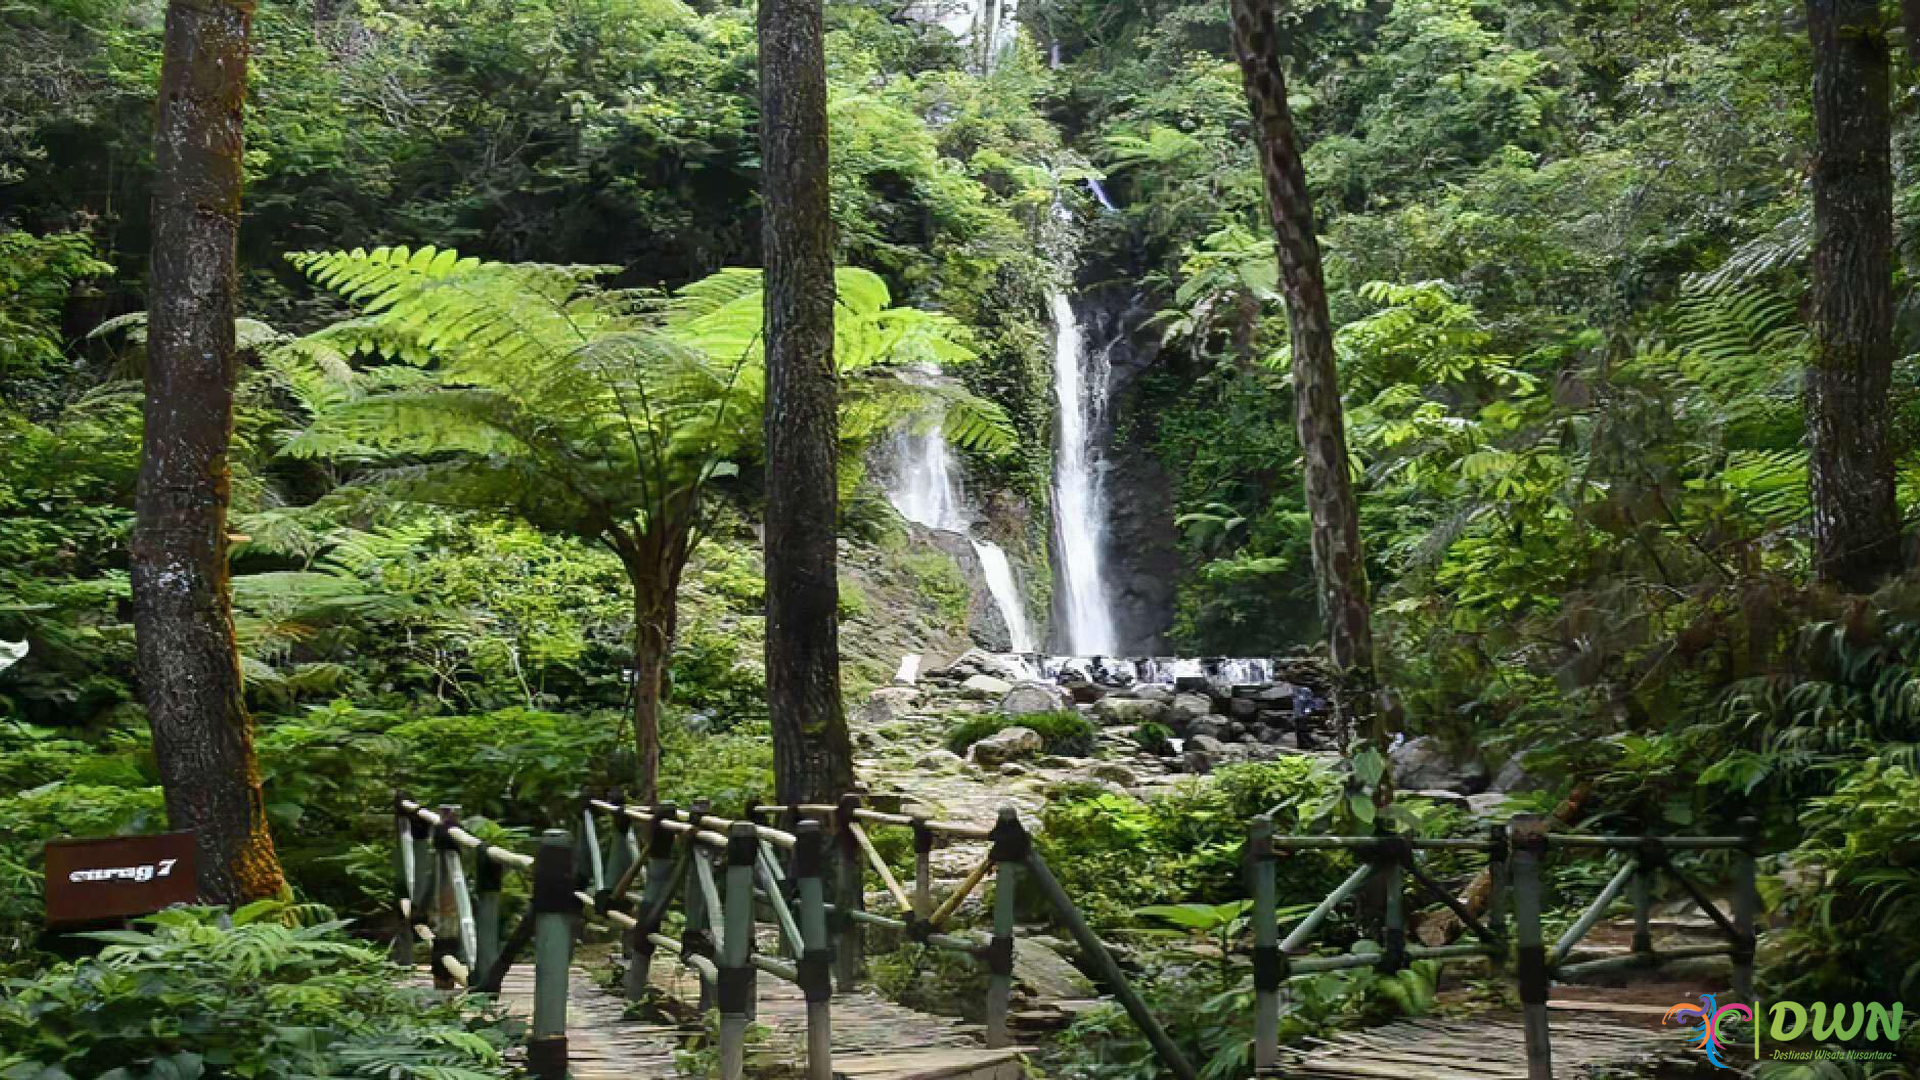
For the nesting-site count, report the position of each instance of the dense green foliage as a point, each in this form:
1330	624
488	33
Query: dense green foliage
1566	252
196	993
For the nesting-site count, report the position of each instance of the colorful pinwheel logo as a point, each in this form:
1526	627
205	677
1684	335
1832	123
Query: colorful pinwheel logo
1709	1015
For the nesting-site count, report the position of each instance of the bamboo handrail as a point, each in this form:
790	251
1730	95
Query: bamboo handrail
960	893
886	874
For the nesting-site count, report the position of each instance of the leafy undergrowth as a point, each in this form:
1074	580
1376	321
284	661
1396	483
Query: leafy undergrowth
1064	732
271	991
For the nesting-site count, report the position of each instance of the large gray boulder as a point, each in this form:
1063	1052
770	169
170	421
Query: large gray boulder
1006	745
1034	697
1513	778
1186	708
1118	710
1425	764
886	705
985	686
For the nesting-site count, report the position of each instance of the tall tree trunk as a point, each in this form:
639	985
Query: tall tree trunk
1910	23
183	620
1337	557
1856	524
655	576
812	753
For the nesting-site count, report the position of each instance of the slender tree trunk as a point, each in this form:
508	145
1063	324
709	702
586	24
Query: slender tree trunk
1337	557
183	620
1856	524
812	753
654	565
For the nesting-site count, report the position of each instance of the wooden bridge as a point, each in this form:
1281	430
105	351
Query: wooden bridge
704	906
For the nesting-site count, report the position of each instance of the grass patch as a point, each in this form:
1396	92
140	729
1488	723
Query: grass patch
1064	732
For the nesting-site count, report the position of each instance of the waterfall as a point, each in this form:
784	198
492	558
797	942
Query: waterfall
926	490
1100	193
986	27
926	487
1006	593
1079	498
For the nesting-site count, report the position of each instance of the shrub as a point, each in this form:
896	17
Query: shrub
1154	738
193	993
1064	732
1115	853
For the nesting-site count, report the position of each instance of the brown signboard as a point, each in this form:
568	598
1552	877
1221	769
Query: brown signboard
89	881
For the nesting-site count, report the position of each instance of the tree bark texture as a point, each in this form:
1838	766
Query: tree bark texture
655	563
1318	415
812	752
1856	524
183	619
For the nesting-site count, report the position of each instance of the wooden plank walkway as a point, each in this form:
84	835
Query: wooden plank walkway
1486	1048
873	1039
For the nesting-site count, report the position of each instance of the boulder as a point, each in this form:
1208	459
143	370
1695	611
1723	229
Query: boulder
1513	779
1119	710
1049	976
1278	694
1084	692
1423	764
938	761
1114	774
1243	708
886	705
1012	768
1041	967
1152	692
985	686
1208	727
1188	707
1207	744
1197	762
1034	697
1005	745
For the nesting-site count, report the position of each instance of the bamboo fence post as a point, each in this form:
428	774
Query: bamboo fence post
596	871
1499	884
816	958
659	881
849	895
1393	854
1268	969
1746	905
1006	891
736	962
922	869
1646	860
401	950
1529	845
446	912
423	871
620	851
554	908
486	915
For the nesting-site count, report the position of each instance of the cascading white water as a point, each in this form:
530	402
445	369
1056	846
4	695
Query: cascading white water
987	27
1080	379
926	490
1006	593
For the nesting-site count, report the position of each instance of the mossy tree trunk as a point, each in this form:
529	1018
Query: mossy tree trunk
1856	523
182	612
1338	561
812	751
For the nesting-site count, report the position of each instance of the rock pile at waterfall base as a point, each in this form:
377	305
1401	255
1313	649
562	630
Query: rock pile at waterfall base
1207	723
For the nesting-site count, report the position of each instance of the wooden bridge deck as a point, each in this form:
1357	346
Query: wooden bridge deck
873	1039
1585	1047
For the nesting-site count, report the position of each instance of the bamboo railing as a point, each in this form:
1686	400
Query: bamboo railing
805	883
